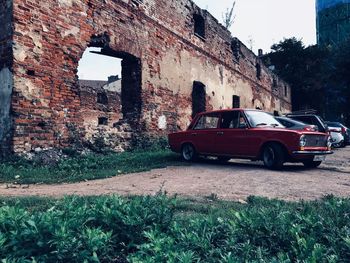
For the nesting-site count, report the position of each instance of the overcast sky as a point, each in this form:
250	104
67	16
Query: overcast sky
265	22
258	24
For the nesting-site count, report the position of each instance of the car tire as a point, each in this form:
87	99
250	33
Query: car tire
273	156
312	164
337	145
188	152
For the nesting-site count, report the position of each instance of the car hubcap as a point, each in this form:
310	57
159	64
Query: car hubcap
188	152
269	156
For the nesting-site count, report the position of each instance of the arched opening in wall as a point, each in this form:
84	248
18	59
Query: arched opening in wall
198	98
110	87
100	88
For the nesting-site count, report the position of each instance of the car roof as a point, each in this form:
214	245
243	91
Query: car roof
302	115
228	110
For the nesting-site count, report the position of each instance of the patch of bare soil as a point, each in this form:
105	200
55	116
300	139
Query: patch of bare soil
235	180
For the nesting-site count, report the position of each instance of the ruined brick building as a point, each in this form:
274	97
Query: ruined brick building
176	60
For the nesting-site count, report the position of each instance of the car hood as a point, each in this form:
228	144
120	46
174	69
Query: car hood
285	130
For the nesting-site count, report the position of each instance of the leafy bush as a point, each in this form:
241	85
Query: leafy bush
105	229
161	229
262	231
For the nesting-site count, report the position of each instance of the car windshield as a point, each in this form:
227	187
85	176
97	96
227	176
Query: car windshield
260	119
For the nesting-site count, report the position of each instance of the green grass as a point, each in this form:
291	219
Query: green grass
162	229
89	167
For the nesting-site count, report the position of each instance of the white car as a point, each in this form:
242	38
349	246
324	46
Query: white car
337	137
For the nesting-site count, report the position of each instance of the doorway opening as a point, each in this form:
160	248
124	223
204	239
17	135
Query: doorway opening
198	98
110	86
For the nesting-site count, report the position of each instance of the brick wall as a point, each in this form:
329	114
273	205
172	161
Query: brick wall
51	36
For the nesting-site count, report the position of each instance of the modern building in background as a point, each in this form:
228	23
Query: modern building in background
333	21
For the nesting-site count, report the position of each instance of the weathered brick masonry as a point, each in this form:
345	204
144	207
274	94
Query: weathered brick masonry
163	61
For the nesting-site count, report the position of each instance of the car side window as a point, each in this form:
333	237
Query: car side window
207	122
233	120
285	123
304	119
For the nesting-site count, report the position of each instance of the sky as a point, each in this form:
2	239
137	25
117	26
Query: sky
258	24
261	23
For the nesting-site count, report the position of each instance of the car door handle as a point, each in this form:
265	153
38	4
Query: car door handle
220	133
194	134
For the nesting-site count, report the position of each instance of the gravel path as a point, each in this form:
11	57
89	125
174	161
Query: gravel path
235	180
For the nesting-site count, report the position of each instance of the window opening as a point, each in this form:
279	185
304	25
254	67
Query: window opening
199	25
198	98
102	121
258	71
236	101
102	98
236	48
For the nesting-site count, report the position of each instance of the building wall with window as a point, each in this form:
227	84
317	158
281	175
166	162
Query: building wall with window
167	46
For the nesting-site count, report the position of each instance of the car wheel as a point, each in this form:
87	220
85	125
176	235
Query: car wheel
188	152
336	145
273	156
312	164
223	159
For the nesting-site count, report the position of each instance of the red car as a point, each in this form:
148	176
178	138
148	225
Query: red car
249	134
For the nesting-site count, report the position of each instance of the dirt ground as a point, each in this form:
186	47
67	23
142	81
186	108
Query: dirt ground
235	180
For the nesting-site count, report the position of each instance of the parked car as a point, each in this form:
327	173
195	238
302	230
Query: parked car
249	134
296	125
344	130
311	119
337	138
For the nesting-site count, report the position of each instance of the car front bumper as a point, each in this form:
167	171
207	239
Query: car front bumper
313	152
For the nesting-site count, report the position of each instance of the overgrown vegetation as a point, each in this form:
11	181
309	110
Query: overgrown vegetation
84	167
162	229
149	143
228	17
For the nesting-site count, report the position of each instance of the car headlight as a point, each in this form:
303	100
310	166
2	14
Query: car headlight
329	142
302	141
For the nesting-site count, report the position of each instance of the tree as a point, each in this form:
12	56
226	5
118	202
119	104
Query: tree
304	68
319	76
228	17
339	77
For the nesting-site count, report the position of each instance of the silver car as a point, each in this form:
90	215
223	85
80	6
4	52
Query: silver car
337	137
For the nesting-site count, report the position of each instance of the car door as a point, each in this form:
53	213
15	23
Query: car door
204	133
232	137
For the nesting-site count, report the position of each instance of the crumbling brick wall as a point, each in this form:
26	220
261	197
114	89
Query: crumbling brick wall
162	59
97	102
